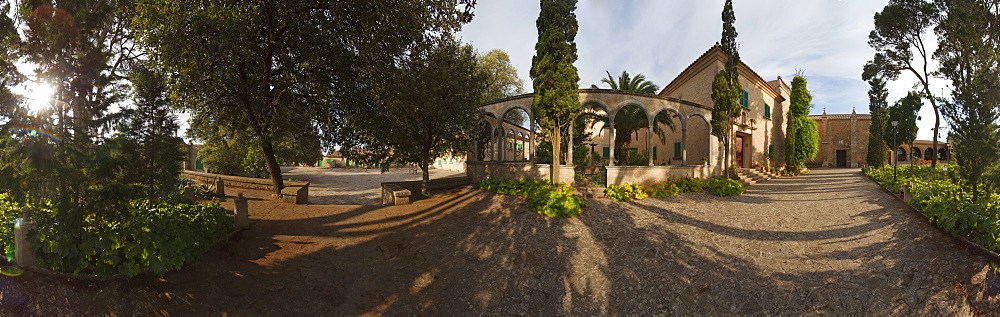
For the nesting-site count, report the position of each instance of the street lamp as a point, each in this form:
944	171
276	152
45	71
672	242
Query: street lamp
895	160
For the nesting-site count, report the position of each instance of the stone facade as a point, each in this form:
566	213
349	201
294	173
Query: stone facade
843	140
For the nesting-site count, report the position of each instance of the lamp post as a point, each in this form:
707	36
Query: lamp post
895	151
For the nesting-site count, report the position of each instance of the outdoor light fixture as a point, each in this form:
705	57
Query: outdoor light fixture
895	161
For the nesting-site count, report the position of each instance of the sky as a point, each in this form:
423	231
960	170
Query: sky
825	39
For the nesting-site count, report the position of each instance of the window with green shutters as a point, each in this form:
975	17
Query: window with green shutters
770	151
654	152
767	111
607	152
677	150
745	99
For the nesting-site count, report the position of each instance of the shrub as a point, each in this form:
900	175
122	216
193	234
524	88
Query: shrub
720	186
155	237
625	192
543	197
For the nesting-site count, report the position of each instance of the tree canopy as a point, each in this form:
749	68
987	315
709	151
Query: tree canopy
284	71
628	83
501	76
557	98
899	30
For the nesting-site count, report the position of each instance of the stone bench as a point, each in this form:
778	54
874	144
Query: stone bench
393	194
296	194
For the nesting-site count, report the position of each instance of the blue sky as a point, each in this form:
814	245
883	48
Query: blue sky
827	39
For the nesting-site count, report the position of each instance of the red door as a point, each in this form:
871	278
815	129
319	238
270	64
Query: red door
738	145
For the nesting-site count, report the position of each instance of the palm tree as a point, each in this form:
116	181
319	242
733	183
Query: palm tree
630	119
637	83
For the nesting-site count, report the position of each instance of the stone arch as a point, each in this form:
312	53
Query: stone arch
943	154
915	153
511	107
697	139
670	148
900	154
703	117
626	103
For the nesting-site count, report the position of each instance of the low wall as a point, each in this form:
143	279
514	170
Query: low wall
649	175
478	171
294	192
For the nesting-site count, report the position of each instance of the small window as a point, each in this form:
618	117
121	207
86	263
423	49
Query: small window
767	111
654	152
770	151
520	146
607	152
745	99
677	150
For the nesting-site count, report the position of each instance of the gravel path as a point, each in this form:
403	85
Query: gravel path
827	243
354	186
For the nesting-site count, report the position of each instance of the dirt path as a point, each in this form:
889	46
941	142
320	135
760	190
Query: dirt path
826	243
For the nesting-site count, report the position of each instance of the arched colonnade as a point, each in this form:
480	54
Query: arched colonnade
506	141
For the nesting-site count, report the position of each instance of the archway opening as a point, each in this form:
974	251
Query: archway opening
698	140
943	154
900	154
631	126
668	149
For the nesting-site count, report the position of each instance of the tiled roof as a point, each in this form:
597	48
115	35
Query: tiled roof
860	116
715	49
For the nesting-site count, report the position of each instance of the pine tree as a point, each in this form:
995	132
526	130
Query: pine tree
557	98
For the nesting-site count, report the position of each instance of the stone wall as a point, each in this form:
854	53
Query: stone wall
649	175
478	171
294	192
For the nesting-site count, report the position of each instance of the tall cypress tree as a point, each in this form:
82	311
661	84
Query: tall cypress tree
557	98
877	105
726	89
801	136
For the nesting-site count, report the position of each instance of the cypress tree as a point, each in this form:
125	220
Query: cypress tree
801	136
555	79
877	105
726	89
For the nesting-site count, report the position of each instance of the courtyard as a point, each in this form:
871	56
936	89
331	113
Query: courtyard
830	242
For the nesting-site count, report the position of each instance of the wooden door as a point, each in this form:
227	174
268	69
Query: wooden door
842	158
738	146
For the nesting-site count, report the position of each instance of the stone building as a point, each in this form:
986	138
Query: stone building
843	142
689	150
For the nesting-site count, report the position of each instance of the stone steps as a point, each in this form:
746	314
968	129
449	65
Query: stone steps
749	176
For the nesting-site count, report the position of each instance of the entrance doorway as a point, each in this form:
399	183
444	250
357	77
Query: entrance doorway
842	158
738	146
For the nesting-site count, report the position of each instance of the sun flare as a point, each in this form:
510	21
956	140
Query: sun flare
39	96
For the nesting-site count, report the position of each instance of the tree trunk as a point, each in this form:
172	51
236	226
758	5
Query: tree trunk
273	168
425	167
556	152
725	159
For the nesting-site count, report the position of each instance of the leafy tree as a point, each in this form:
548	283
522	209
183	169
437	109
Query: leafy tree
11	173
283	71
726	88
221	158
802	136
898	32
557	98
636	84
878	105
428	108
905	112
967	50
501	76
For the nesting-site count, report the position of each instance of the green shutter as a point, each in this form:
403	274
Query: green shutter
198	165
607	152
677	149
319	163
654	152
745	99
770	151
767	111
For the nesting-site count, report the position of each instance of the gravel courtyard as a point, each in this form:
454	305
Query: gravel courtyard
354	186
827	243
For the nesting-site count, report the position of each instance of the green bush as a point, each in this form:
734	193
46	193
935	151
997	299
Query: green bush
625	192
720	186
948	206
907	173
9	211
543	197
156	238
